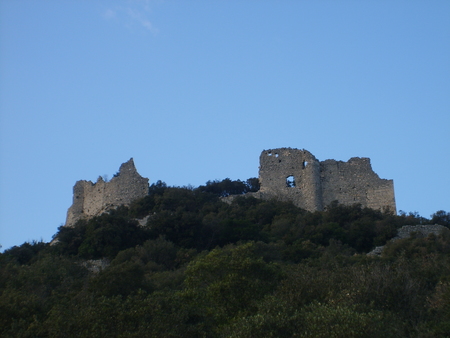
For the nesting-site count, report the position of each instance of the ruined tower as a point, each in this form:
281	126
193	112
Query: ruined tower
92	199
291	175
296	175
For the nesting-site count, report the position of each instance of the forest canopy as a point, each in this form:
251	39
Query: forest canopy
182	262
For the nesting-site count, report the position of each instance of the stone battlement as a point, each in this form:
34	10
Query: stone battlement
92	199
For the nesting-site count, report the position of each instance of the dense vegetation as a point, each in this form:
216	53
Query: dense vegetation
201	267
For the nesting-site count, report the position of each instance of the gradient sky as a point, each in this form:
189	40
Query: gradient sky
195	90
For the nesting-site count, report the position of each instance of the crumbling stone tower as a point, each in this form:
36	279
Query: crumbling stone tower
296	175
92	199
291	175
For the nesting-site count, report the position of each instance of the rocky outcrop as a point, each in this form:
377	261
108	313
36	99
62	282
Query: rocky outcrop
421	230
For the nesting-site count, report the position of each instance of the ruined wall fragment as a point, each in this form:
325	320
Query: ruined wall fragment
355	182
92	199
420	230
296	175
291	175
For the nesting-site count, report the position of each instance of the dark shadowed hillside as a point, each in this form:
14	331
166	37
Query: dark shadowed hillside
181	262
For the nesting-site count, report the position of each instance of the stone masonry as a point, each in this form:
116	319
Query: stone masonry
285	173
92	199
421	230
296	175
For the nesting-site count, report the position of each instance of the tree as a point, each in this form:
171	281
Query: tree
231	280
441	217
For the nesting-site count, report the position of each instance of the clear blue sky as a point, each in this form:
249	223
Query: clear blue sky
195	90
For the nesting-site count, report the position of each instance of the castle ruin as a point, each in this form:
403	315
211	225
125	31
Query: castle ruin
92	199
296	175
286	174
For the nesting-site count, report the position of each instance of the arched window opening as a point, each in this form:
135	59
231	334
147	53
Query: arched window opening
290	181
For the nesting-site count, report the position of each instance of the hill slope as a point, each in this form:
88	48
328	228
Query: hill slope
199	266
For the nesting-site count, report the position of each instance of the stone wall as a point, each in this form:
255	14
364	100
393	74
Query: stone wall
296	175
92	199
421	230
285	173
291	175
355	182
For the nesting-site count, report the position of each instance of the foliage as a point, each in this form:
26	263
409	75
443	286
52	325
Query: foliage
325	320
441	217
101	236
231	280
201	267
228	187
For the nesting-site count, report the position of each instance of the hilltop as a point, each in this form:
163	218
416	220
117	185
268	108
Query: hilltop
285	174
214	261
